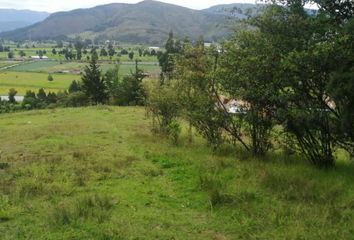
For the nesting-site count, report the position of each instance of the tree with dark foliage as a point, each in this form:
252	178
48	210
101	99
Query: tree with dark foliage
93	84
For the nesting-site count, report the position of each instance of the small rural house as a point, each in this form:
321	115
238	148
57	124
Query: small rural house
154	48
232	106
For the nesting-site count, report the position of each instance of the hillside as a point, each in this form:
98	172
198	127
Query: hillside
145	22
100	173
11	19
236	10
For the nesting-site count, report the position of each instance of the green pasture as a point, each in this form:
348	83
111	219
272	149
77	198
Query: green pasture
48	66
100	173
34	66
127	68
6	63
33	75
23	81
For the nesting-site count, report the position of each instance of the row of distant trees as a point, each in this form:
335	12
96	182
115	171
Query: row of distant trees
94	88
95	53
10	54
78	54
4	48
81	48
293	71
22	53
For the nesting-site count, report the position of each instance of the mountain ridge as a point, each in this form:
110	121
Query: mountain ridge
145	22
11	19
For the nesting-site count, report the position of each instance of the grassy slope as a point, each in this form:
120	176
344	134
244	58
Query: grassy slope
99	173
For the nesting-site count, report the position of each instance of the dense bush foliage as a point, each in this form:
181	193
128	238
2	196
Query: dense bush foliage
284	70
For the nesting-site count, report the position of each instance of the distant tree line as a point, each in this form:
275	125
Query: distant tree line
4	48
79	48
94	88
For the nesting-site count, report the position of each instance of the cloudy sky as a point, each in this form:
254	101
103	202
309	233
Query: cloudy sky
62	5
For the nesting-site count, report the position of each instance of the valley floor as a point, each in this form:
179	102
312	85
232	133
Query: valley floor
99	173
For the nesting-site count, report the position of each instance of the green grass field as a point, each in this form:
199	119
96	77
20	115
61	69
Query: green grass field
64	66
99	173
23	81
6	63
33	75
34	66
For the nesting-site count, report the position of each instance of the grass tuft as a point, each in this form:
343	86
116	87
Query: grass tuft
88	207
4	166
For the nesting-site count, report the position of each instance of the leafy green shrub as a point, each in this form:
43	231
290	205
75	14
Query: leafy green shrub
6	107
75	87
30	101
163	106
130	91
12	94
76	99
174	131
50	78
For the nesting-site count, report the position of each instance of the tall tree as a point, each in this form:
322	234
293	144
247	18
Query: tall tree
131	55
131	90
166	59
12	94
311	103
93	84
79	45
11	55
195	76
94	54
247	74
113	83
74	87
103	53
111	50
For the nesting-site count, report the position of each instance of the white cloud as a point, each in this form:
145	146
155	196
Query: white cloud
63	5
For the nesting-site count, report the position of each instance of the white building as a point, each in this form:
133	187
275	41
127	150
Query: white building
38	57
154	48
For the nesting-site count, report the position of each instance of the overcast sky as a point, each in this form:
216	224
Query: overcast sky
63	5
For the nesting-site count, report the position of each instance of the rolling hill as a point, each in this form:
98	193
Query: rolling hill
236	10
145	22
11	19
